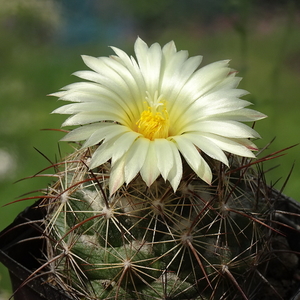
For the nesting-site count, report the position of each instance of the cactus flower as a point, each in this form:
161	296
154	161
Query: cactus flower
148	113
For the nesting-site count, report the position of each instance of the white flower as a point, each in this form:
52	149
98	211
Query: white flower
148	113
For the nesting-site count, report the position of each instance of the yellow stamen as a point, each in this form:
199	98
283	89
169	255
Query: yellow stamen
154	124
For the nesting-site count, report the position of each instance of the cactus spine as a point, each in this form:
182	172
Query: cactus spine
201	242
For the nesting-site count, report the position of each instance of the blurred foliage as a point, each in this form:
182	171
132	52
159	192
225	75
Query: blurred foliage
40	46
30	21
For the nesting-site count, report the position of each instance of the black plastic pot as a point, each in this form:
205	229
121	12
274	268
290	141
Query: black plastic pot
21	251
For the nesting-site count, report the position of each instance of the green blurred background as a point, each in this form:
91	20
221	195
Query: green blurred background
40	46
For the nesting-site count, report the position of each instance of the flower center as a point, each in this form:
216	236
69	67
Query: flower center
154	122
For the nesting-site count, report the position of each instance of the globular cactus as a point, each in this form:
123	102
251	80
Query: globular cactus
200	242
161	201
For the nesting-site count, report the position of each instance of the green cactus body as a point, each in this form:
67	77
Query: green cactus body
151	243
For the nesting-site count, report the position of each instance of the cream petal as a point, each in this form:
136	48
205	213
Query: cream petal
198	111
176	73
169	49
149	60
83	132
175	173
124	58
241	115
193	121
75	108
123	143
79	96
226	128
83	87
222	99
206	78
90	75
133	68
103	153
98	65
104	100
108	148
172	67
164	160
117	177
110	77
149	170
58	94
87	94
106	133
132	80
135	158
230	82
193	158
237	146
207	146
139	91
178	69
83	118
247	143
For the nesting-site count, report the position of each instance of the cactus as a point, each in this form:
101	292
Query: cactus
200	242
162	201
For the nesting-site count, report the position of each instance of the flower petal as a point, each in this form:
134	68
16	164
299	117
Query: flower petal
235	146
231	129
207	146
83	118
193	158
175	173
117	177
103	153
83	132
164	161
149	170
105	133
149	60
135	158
207	78
123	143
